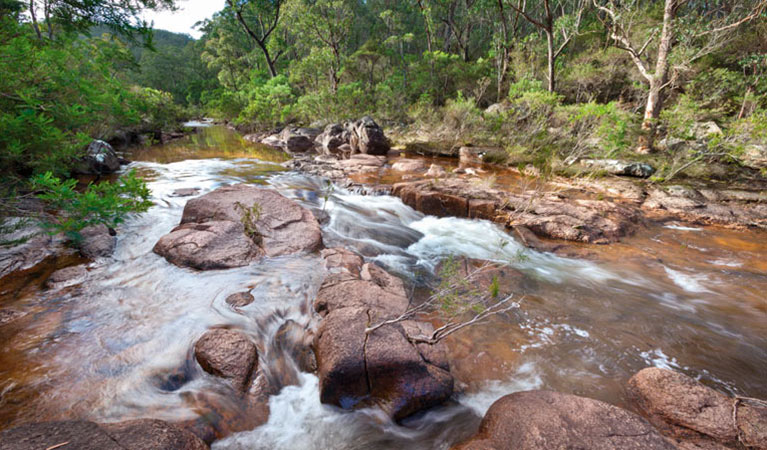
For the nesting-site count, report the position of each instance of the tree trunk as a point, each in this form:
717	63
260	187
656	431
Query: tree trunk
33	15
660	77
551	58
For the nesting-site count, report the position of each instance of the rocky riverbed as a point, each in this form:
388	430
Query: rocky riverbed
238	310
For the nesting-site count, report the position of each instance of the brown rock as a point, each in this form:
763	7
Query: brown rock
97	241
368	138
436	171
752	423
339	259
408	165
535	420
240	299
682	407
285	227
227	354
67	277
208	246
134	435
148	434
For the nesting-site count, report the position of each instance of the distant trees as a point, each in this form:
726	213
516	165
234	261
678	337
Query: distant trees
259	19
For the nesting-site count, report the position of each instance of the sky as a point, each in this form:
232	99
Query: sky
189	12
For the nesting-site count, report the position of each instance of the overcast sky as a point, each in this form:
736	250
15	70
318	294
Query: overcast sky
189	12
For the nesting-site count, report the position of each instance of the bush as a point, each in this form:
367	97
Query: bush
615	128
105	203
270	102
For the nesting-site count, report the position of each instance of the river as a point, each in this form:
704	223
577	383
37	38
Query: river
674	295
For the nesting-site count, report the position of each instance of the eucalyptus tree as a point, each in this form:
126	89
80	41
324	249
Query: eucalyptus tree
330	22
689	31
260	19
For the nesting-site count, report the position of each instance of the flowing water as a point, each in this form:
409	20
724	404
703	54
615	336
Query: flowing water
119	345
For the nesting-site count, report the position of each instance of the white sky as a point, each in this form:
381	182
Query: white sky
189	12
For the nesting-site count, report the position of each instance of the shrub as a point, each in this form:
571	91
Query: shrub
270	102
615	128
105	203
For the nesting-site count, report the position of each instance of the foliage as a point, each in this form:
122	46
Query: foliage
249	218
99	204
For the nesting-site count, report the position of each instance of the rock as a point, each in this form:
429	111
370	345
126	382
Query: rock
186	192
284	226
67	277
383	368
295	342
142	434
470	155
704	130
755	156
689	204
228	354
436	171
149	434
212	234
535	420
208	246
368	138
290	139
100	159
8	315
687	410
240	299
98	241
332	138
498	108
408	165
32	246
616	167
671	144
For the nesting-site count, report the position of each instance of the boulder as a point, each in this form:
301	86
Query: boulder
228	354
213	232
368	138
33	246
705	130
332	138
142	434
690	412
409	165
98	241
382	368
284	226
436	171
535	420
208	246
100	159
240	299
755	156
69	276
617	167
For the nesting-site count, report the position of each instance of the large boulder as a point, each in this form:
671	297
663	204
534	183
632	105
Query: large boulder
535	420
234	225
368	138
332	138
145	434
227	354
383	367
100	159
290	139
208	246
688	411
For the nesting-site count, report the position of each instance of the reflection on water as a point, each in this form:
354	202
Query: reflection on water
118	346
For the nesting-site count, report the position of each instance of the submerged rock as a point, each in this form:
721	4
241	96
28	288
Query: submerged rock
695	414
228	354
535	420
67	277
144	434
240	299
384	367
235	225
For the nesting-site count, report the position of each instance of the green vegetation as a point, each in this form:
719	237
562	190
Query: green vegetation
99	204
249	218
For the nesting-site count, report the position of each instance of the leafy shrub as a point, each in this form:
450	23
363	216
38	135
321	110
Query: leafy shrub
614	127
105	203
270	102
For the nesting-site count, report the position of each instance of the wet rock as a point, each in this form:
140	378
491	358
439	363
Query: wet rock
228	354
98	241
535	420
436	171
208	246
695	414
240	299
67	277
284	227
290	139
689	204
408	165
134	435
384	367
100	159
148	434
186	192
622	168
368	138
547	215
295	342
32	246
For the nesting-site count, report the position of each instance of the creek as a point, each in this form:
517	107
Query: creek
676	296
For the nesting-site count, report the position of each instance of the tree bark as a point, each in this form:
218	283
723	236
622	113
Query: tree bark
551	57
659	78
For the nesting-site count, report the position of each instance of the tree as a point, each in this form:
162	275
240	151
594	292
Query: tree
558	17
259	18
681	42
505	40
330	21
